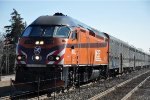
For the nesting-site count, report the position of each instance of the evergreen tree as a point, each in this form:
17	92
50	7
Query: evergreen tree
17	26
12	34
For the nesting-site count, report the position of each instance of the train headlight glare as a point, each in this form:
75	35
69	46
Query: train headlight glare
41	42
37	57
57	58
37	42
19	57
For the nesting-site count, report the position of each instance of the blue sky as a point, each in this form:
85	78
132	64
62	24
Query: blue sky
128	20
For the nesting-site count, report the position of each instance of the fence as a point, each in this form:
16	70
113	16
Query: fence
7	60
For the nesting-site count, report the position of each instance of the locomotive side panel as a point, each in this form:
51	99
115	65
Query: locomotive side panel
87	49
103	49
83	48
71	53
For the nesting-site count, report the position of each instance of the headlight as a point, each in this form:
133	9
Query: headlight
18	57
53	58
21	57
37	57
41	42
37	42
57	58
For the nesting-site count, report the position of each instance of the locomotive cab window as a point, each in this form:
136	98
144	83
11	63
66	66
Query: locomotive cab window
27	31
74	35
61	31
46	31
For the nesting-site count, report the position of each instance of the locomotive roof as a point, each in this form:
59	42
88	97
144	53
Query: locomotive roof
64	20
54	20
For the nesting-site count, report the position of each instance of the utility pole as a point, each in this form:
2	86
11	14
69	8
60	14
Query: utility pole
6	59
1	59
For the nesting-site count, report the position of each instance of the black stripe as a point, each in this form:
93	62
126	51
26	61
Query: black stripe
82	45
86	45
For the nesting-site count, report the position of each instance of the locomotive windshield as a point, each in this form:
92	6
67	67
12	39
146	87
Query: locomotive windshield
46	31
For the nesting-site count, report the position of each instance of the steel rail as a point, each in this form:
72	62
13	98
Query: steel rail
98	96
135	89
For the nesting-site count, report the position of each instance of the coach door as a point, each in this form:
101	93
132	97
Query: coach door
74	48
134	62
121	61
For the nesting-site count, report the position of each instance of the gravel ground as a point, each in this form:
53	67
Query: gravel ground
88	91
143	93
120	92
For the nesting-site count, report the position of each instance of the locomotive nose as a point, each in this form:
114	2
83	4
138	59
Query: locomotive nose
44	51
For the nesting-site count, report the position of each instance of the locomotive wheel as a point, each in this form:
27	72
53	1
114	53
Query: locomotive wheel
70	79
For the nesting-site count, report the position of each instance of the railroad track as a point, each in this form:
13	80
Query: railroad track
100	87
124	90
143	92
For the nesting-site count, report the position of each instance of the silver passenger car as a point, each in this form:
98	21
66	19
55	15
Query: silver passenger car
124	57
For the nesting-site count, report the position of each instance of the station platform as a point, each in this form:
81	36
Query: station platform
5	80
8	77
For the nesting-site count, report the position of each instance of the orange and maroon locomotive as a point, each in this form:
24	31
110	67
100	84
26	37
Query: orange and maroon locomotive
65	51
59	47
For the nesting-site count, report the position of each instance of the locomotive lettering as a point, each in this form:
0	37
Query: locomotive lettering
97	55
37	50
